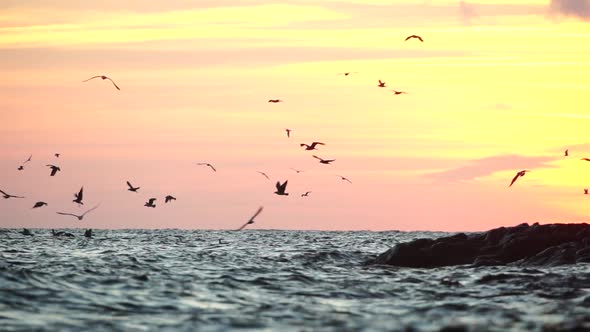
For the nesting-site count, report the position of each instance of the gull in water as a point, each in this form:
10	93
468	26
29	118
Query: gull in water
275	101
344	179
296	170
61	233
39	204
281	188
585	191
306	194
54	169
26	232
150	203
288	132
80	217
312	146
132	188
566	153
324	161
169	198
209	165
381	84
264	174
88	233
104	78
7	196
251	221
79	196
519	174
414	36
399	92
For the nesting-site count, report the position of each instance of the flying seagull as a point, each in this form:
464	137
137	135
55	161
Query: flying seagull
587	159
296	170
306	194
312	146
7	196
381	84
38	205
169	198
566	153
251	221
54	169
104	78
21	167
61	233
324	161
414	36
150	203
343	178
288	132
209	165
132	188
348	73
519	174
275	101
80	217
28	159
585	191
57	155
281	188
399	92
264	174
26	232
79	196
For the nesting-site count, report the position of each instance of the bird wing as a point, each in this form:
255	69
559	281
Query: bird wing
408	38
514	179
316	157
213	168
28	159
348	180
243	226
256	214
68	214
130	186
284	186
94	208
115	84
330	160
420	38
266	176
93	77
278	186
53	171
3	193
80	194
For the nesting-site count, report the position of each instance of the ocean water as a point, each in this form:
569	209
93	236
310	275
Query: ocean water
177	280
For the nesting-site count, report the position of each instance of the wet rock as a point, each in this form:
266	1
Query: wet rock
536	245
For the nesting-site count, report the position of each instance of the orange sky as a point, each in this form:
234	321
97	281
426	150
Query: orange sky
497	86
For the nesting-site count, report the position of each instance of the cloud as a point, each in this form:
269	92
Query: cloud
489	165
577	8
467	12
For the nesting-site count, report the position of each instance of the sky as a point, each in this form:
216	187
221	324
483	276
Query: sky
496	87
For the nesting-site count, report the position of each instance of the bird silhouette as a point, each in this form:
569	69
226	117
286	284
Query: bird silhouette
150	203
28	159
21	167
80	217
414	36
104	78
275	101
311	146
566	153
586	159
39	204
54	169
288	132
61	233
306	194
264	174
26	232
88	233
169	198
324	161
399	92
381	84
79	196
209	165
7	196
281	188
251	220
348	73
519	174
132	188
57	155
344	179
296	170
585	191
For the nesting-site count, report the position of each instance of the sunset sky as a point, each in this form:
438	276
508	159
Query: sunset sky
497	86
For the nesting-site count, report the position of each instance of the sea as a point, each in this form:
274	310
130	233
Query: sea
269	280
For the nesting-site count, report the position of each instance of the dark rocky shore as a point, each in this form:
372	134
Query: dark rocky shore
540	245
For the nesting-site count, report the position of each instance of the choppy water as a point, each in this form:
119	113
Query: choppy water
164	280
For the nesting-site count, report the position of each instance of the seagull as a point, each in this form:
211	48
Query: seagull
275	101
264	174
57	155
348	73
132	188
381	84
296	170
207	164
61	233
28	159
251	221
26	232
150	203
21	167
399	92
54	169
80	217
281	188
288	132
88	233
7	196
38	205
343	178
585	191
169	198
521	173
79	196
566	153
324	161
306	194
312	146
414	36
587	159
104	78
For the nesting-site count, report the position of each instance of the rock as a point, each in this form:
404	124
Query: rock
536	245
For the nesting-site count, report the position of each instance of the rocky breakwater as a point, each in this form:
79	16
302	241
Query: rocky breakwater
541	245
